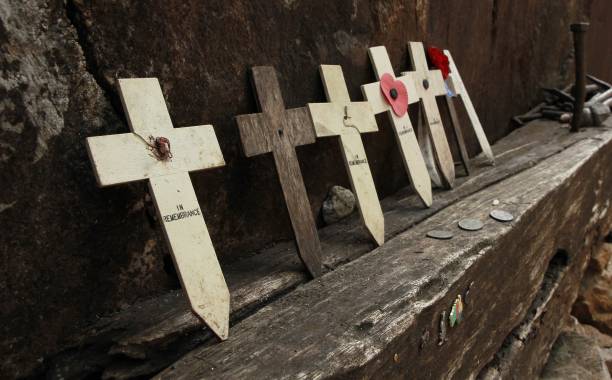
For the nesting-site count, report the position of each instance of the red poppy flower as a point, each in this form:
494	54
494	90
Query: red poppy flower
439	60
395	94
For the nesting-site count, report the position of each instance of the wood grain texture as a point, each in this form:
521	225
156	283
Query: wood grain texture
150	335
402	127
378	316
457	87
127	157
429	84
278	131
346	119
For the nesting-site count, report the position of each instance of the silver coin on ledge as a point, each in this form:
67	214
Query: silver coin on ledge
501	216
470	224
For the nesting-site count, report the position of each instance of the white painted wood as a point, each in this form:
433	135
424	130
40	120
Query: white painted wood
443	166
127	157
346	119
458	88
402	127
192	250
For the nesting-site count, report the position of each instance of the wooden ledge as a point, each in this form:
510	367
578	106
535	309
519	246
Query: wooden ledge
379	316
149	336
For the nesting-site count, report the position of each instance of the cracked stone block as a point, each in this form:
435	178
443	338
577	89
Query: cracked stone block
575	356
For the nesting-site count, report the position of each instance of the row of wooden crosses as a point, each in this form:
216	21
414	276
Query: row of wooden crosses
156	151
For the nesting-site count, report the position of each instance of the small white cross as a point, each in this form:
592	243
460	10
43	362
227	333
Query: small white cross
347	120
457	88
404	133
429	84
135	156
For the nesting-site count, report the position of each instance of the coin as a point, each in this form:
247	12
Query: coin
501	216
470	224
440	234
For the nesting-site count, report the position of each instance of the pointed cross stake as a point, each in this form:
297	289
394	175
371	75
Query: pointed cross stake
130	157
279	131
347	119
428	85
458	133
457	88
404	133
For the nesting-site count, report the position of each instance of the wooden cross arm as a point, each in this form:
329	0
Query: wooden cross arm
254	133
372	93
410	84
434	79
378	103
127	157
298	126
257	135
329	118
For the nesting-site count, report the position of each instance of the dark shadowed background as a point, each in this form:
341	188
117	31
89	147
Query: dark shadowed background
70	251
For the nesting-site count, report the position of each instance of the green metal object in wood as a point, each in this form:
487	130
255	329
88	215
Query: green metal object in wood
456	315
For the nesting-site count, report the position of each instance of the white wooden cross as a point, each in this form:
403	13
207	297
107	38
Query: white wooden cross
457	88
130	157
404	133
346	119
428	85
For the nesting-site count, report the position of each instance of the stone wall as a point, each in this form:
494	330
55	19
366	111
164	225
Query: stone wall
70	251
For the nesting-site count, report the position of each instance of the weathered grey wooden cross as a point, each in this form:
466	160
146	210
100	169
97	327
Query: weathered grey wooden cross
429	84
135	156
347	119
278	131
404	133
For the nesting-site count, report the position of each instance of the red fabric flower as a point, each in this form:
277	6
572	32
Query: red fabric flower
395	94
439	60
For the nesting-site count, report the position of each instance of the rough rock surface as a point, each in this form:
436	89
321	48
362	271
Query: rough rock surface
70	251
603	341
594	303
575	356
339	204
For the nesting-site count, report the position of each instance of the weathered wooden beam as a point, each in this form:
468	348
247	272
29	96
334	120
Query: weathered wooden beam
524	349
379	316
145	338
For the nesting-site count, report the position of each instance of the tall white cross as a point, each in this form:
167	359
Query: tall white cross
404	133
429	84
457	88
164	155
347	120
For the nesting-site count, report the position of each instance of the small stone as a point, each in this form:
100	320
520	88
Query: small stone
599	113
501	216
470	224
440	234
339	204
396	358
495	202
